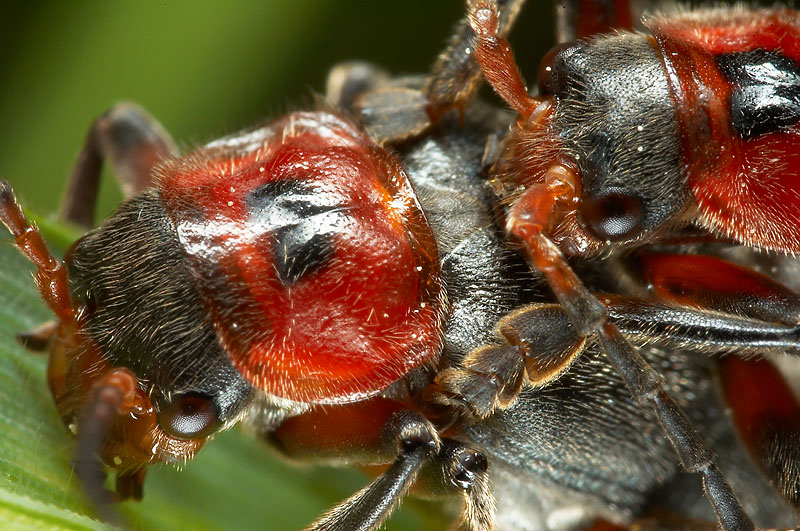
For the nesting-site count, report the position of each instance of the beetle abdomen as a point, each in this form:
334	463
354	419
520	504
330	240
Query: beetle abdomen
735	81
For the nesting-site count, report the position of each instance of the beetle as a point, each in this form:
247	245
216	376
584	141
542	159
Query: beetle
91	294
103	68
706	120
632	137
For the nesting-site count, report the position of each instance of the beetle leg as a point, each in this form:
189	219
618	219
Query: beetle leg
646	384
708	331
414	439
393	110
716	284
543	343
393	113
348	433
129	485
106	401
527	221
348	81
455	74
380	430
765	410
389	109
496	60
51	277
489	377
132	142
704	303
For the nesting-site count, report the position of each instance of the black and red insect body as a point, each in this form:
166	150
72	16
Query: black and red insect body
318	282
632	139
359	306
286	274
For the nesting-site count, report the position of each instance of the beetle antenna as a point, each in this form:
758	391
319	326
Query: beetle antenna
92	429
105	403
416	440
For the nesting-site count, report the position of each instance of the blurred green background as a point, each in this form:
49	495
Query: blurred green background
204	70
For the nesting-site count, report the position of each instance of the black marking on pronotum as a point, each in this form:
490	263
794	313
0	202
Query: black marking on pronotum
766	93
299	221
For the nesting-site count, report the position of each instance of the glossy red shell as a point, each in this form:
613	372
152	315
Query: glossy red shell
746	189
369	309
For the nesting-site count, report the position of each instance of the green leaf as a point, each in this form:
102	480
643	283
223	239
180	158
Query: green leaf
234	483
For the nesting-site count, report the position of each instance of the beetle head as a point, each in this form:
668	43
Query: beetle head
139	374
613	120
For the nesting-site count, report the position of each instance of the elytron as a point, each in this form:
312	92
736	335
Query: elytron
522	312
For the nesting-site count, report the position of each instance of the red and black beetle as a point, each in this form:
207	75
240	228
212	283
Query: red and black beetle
631	139
269	224
291	274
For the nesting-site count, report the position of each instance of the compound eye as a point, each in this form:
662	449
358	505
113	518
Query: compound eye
551	68
188	416
615	216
